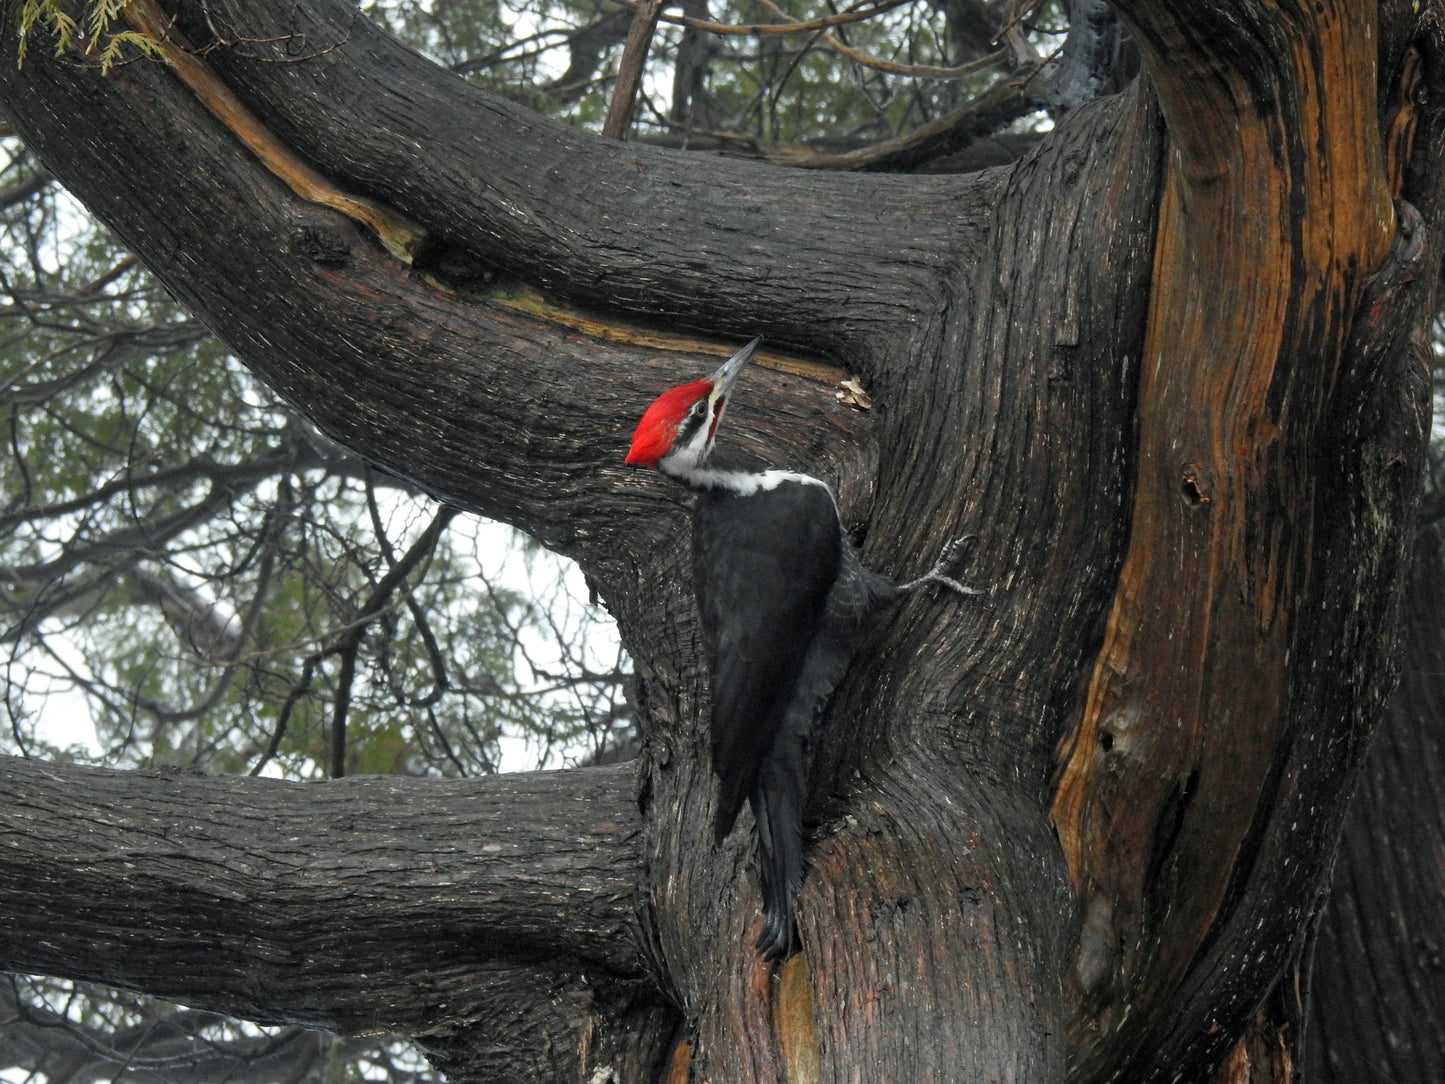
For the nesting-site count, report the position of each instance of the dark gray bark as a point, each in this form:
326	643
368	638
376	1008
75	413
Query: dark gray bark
998	322
306	887
1379	958
391	904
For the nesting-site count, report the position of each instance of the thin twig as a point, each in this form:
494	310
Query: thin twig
919	71
420	550
629	69
852	15
1009	98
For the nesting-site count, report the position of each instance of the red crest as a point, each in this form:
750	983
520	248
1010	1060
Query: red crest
655	432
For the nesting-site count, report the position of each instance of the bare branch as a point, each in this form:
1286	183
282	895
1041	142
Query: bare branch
347	649
181	1047
535	866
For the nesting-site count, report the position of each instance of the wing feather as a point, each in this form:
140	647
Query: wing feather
764	565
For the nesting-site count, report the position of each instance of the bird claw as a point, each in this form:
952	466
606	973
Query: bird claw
951	550
939	572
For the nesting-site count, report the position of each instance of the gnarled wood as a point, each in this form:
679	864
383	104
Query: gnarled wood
1195	766
267	898
1245	405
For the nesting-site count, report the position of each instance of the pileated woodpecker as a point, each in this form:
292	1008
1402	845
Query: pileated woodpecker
784	600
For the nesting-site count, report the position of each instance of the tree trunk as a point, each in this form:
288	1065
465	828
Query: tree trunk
1163	368
1375	1006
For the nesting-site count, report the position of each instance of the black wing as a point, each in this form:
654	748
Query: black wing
764	565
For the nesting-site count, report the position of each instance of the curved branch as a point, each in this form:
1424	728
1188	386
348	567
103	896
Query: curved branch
401	238
506	185
1278	483
266	899
328	320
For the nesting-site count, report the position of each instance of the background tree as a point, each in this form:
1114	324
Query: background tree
1106	419
206	569
199	573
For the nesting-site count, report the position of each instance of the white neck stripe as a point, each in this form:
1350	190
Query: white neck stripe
743	483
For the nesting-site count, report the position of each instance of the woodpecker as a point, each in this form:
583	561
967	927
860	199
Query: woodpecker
784	600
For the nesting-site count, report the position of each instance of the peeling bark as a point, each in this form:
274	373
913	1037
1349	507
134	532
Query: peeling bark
1167	367
1199	796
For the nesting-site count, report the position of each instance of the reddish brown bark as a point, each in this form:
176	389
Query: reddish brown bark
1191	475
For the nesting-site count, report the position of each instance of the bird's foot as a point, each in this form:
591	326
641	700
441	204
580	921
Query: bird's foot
939	572
779	937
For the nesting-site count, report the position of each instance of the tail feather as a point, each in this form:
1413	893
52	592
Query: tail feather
781	792
778	809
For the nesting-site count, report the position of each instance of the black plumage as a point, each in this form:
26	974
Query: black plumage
763	567
784	601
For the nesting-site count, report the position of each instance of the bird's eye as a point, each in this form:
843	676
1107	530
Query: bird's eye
699	408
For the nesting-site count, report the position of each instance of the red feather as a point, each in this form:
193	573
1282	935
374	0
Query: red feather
655	432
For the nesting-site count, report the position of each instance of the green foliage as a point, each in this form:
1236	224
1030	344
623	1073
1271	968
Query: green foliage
92	34
559	56
183	559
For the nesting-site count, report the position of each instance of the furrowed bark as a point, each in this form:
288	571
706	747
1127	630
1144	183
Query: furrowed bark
720	244
433	379
1244	408
493	921
268	899
1199	797
1374	1010
945	874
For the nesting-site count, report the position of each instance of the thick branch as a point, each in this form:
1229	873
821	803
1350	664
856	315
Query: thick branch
268	899
719	243
401	238
485	399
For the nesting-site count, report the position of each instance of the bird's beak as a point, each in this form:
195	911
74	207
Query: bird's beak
726	376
